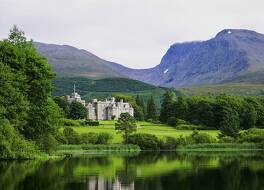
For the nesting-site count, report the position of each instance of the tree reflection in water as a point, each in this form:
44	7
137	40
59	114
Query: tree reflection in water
146	171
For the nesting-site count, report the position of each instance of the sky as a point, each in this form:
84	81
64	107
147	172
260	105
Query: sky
135	33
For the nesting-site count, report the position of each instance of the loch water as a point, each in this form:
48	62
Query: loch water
138	171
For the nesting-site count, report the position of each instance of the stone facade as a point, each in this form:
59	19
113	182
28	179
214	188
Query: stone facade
102	110
108	109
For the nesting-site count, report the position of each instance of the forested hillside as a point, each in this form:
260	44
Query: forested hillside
105	88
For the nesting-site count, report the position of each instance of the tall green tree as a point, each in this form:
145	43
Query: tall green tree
78	111
126	125
28	84
228	121
140	103
181	108
151	109
63	104
167	106
248	116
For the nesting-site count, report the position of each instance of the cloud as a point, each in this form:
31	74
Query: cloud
135	33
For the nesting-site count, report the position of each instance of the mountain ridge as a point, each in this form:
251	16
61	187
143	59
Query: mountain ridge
227	57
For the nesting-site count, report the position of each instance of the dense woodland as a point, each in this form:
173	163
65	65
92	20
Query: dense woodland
225	112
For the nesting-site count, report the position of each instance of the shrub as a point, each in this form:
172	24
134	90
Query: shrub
71	136
14	146
172	121
144	141
199	138
89	138
70	122
227	139
104	138
48	143
90	123
193	127
168	143
61	139
181	122
252	135
95	138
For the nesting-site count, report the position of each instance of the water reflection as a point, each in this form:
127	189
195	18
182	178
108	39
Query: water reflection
146	171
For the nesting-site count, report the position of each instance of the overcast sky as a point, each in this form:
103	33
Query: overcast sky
135	33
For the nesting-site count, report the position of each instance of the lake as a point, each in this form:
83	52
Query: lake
142	171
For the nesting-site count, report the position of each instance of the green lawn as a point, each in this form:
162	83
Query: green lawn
160	130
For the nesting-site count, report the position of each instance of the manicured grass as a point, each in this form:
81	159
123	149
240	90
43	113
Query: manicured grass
160	130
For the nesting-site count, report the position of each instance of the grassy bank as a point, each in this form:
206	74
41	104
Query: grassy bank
96	149
208	147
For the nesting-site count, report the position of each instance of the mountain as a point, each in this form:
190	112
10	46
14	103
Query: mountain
70	61
231	56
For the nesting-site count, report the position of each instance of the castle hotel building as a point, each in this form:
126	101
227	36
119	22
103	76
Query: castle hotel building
102	110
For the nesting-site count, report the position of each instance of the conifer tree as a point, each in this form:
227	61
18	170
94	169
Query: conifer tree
151	109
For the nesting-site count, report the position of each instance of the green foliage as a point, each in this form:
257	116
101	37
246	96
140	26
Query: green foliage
63	104
13	145
48	143
144	141
252	135
196	138
90	123
168	143
166	107
248	116
229	122
126	125
200	138
140	102
172	121
104	138
25	92
227	113
70	122
71	136
151	109
89	138
77	111
60	138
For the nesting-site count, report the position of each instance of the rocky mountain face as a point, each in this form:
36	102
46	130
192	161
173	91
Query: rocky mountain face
232	55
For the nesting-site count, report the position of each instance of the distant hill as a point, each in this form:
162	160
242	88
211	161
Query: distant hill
70	61
105	88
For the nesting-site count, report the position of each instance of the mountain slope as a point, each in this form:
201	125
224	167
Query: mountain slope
70	61
230	56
